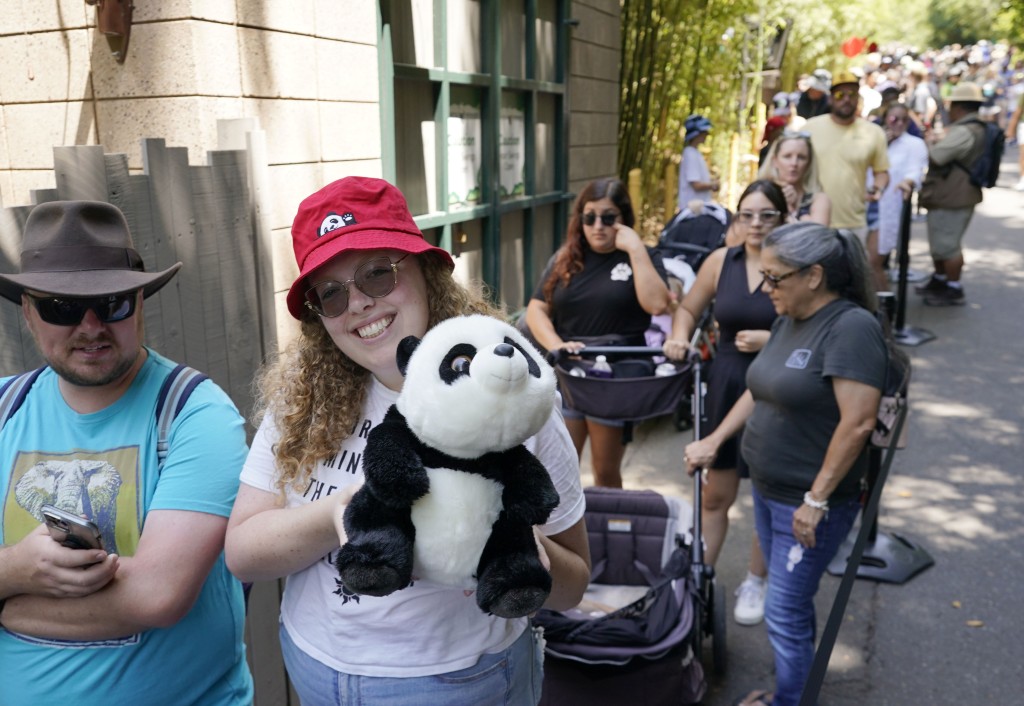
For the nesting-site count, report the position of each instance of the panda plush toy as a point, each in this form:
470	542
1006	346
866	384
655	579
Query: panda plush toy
451	494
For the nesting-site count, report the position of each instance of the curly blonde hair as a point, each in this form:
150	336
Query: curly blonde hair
316	393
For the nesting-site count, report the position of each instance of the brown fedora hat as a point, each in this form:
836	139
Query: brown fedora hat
80	249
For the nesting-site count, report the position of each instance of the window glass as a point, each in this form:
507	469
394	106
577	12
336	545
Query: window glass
412	31
464	36
415	139
544	142
513	39
546	28
465	149
512	143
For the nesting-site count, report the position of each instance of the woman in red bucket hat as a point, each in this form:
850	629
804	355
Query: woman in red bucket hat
367	279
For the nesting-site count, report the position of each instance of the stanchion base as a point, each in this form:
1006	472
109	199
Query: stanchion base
913	336
891	558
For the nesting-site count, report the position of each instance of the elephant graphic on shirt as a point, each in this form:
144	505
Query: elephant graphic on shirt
85	487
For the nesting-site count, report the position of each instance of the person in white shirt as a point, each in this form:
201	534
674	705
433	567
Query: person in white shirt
695	180
908	162
367	280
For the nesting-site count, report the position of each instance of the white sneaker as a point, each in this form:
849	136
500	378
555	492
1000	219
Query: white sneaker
749	609
1020	185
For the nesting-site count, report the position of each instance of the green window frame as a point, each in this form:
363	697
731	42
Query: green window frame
474	129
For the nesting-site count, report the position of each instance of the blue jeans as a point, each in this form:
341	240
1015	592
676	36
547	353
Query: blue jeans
794	573
511	677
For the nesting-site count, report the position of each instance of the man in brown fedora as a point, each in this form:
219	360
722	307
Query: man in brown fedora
113	432
950	196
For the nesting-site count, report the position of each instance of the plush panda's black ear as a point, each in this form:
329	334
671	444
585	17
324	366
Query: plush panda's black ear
405	349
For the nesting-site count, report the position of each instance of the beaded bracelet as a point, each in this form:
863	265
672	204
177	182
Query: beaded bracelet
816	504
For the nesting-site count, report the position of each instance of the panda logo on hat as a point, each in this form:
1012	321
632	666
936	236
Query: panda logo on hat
333	221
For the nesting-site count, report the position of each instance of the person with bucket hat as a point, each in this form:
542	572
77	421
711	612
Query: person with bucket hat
950	196
356	239
814	99
845	147
153	616
695	180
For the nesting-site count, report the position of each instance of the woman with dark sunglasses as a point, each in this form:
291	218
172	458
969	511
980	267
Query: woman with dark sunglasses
790	164
603	282
810	406
367	280
730	277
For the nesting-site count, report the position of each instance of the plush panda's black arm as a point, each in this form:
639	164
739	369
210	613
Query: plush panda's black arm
529	495
391	464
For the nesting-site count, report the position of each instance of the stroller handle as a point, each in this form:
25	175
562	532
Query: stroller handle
558	354
685	247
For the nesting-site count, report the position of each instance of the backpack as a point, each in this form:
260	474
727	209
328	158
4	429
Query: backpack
174	393
984	172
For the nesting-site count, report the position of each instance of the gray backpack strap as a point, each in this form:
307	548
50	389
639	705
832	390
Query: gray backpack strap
14	392
174	393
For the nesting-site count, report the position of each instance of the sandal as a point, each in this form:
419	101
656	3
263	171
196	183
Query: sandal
758	697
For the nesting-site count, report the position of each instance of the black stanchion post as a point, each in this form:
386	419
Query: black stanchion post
906	335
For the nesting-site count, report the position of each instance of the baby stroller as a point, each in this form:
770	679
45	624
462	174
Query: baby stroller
690	236
634	392
639	635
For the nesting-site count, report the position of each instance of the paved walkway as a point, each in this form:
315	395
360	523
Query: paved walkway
955	633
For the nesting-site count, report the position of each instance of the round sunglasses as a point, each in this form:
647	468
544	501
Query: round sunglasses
69	311
375	278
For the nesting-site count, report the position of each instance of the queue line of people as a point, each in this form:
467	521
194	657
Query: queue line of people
785	272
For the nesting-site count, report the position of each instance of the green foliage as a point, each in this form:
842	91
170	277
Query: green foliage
1010	22
678	57
961	21
702	56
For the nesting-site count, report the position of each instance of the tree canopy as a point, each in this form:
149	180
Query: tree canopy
707	56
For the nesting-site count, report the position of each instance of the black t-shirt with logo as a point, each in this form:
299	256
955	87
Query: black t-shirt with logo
795	415
600	300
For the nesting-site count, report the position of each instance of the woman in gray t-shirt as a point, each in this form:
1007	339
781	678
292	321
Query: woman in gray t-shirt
810	406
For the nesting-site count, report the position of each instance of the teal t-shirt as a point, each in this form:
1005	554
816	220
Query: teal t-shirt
104	465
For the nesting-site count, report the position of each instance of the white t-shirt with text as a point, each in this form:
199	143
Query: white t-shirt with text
423	629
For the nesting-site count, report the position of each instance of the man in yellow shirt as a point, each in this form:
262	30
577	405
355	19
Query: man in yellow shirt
845	147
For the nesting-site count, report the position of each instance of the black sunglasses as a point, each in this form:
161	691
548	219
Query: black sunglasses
590	218
375	278
67	311
773	281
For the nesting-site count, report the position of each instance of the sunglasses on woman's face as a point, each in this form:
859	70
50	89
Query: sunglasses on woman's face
608	219
375	278
69	311
773	281
768	216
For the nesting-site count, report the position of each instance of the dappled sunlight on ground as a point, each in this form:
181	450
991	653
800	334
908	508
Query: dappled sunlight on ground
996	262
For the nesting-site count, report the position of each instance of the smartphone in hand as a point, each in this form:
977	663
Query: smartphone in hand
71	530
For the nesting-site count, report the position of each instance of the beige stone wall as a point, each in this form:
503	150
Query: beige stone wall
306	70
594	91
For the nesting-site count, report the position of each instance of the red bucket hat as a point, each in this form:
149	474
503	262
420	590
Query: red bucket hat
354	213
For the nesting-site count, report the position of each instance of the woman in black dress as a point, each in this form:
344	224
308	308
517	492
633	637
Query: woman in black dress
744	314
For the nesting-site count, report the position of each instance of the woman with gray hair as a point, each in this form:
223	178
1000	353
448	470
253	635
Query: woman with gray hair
810	406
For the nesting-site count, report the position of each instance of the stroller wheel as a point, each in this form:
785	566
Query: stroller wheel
719	657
